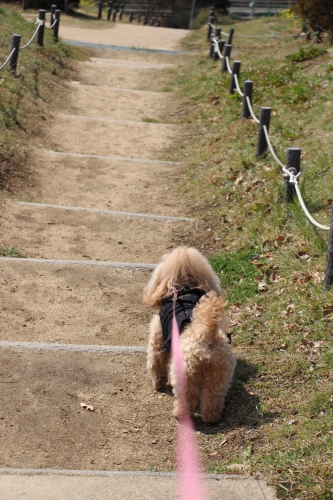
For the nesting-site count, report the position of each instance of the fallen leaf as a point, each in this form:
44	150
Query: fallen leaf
87	407
262	286
213	454
223	442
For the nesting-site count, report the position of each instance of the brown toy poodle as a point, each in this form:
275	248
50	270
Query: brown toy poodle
208	360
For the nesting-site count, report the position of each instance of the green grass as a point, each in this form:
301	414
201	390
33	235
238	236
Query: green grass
28	96
278	417
146	119
13	252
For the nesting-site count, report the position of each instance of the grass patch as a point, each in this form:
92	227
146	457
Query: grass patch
28	96
238	274
278	417
13	252
146	119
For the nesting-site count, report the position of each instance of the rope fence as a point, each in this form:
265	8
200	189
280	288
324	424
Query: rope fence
291	171
12	59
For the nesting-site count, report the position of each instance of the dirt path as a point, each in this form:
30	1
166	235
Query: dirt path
102	211
105	150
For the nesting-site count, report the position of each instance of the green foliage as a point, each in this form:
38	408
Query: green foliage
25	95
306	53
13	252
237	273
318	13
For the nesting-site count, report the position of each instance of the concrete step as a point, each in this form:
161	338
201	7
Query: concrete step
123	77
51	233
72	304
43	424
133	140
75	485
109	103
104	183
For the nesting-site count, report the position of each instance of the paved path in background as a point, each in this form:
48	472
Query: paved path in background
74	333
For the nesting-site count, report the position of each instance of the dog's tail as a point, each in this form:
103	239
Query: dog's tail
210	316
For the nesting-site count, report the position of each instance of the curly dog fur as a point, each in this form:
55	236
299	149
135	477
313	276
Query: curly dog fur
208	360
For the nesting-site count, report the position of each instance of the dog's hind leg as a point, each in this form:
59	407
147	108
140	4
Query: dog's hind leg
157	360
214	388
192	394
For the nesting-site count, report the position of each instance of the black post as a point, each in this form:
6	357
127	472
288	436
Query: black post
121	12
265	115
151	22
53	9
209	27
114	15
231	34
158	22
247	92
329	260
109	9
131	16
100	9
226	53
24	4
66	4
40	34
235	71
221	46
145	19
211	46
218	37
14	57
57	24
294	165
139	18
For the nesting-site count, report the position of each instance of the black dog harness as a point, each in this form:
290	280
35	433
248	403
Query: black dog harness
187	299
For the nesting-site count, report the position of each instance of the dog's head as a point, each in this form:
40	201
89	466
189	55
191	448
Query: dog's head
183	266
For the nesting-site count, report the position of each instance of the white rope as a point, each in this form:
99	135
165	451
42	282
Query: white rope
293	179
225	34
217	48
305	210
273	35
10	55
273	152
50	27
39	22
212	26
228	65
237	85
251	110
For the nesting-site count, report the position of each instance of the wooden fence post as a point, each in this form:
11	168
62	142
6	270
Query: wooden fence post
14	57
248	89
57	24
209	27
226	53
217	38
231	34
329	260
294	165
235	71
265	116
40	34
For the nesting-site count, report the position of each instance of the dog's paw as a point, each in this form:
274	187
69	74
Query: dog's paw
211	417
159	384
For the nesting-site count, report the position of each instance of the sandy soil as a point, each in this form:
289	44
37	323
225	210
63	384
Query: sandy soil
72	304
79	235
103	137
128	36
42	424
104	184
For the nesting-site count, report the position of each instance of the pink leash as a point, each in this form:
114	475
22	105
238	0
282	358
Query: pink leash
190	481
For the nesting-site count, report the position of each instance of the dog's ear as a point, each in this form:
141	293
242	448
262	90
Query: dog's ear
155	289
